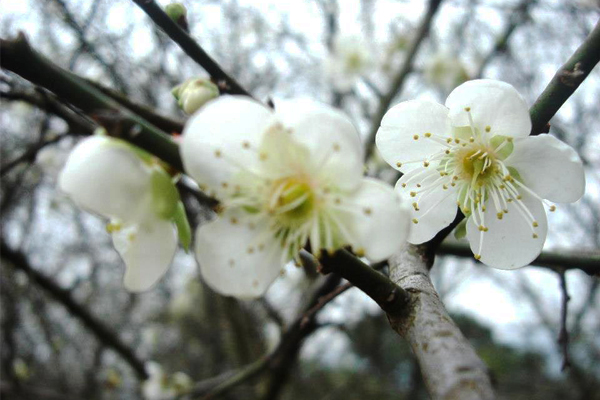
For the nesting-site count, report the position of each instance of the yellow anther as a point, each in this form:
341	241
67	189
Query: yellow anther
535	224
404	185
535	236
502	186
426	164
262	156
415	221
360	252
552	208
455	178
477	257
481	228
225	185
488	128
413	194
453	184
509	139
418	185
416	137
398	164
218	153
428	134
467	109
367	211
234	220
337	201
457	140
250	250
519	197
500	215
483	208
246	145
447	151
336	147
471	139
444	187
448	140
113	227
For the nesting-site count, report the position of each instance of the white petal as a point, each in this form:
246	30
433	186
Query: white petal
331	139
409	120
222	139
549	167
492	103
105	177
436	208
381	223
509	242
147	249
237	259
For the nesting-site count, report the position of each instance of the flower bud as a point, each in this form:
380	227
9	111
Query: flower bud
178	13
194	93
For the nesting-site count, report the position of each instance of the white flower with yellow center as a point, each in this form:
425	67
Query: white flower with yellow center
350	59
285	179
111	178
476	152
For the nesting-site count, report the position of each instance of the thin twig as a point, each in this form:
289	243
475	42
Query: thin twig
566	80
226	83
323	301
400	78
102	332
563	336
586	261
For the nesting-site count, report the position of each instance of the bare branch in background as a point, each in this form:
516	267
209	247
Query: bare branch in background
103	333
563	336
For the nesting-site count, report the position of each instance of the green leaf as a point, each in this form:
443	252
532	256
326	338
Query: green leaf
183	226
461	230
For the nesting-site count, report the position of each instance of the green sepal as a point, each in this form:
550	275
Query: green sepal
515	174
461	230
165	196
506	150
184	231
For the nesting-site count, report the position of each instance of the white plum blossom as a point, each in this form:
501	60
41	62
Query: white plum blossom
285	178
113	179
194	93
445	71
350	59
476	153
162	386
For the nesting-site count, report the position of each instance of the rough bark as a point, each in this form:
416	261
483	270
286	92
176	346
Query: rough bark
449	364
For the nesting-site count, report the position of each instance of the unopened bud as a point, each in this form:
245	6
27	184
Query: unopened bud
178	13
194	93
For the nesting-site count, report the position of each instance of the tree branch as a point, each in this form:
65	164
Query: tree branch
226	83
588	262
102	332
450	367
17	56
402	74
566	80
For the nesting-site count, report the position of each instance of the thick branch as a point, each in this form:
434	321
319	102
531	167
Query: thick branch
402	74
450	367
103	333
17	56
390	297
566	80
226	83
588	262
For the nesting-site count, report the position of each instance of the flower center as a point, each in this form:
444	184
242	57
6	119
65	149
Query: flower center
476	165
292	200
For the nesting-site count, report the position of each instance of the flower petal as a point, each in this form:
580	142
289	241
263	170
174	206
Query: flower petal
105	177
331	139
549	167
222	139
381	224
435	209
509	242
492	104
401	137
147	249
237	258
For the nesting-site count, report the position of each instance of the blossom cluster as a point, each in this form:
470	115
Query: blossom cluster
291	178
